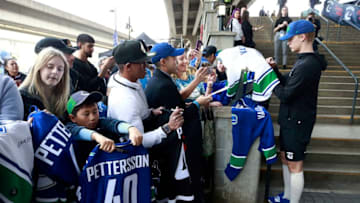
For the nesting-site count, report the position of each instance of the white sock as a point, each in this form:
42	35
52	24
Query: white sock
286	178
297	186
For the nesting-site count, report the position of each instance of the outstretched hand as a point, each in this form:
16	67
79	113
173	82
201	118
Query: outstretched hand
135	136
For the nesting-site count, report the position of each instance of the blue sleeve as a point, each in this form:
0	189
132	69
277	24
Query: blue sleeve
79	132
113	125
221	97
197	104
84	134
123	127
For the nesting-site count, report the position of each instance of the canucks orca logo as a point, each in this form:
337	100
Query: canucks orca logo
2	129
234	119
242	50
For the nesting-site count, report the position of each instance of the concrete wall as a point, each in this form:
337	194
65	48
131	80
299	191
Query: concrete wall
221	40
245	187
35	18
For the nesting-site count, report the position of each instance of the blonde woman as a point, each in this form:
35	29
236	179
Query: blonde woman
189	85
48	85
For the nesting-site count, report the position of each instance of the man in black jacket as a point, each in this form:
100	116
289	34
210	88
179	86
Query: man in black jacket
182	155
90	79
297	92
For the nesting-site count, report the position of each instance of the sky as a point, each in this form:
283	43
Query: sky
147	16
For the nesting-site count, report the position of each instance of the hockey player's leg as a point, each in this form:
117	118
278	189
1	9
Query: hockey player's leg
296	180
285	196
286	176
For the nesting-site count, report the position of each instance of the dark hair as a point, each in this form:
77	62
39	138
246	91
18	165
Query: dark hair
245	16
83	38
7	61
280	13
86	103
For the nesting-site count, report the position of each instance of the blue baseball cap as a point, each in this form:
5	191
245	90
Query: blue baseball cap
164	50
298	27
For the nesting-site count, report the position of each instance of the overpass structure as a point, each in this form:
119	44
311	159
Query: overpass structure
185	16
31	17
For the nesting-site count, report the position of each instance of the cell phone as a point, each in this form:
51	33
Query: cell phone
198	44
210	69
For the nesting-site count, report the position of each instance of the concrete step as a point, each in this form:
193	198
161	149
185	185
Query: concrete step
339	72
317	180
328	118
334	146
336	93
330	164
331	134
333	101
348	58
324	109
313	197
343	50
346	79
337	85
331	71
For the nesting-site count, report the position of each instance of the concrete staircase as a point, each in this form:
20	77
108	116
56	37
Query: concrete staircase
333	156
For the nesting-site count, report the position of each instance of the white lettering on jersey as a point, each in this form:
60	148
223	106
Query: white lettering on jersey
53	143
117	167
182	171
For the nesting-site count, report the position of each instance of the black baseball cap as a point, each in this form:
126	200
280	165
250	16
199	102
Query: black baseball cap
55	43
79	97
131	51
207	51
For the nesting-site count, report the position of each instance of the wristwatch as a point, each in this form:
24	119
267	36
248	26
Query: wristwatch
166	129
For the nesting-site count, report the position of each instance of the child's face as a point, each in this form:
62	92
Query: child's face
87	116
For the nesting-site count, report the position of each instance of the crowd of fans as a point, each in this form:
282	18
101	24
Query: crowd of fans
147	93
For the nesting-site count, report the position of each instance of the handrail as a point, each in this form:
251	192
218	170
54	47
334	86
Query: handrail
272	28
347	70
327	27
353	25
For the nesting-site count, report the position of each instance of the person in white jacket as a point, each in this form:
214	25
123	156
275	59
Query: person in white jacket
127	101
234	25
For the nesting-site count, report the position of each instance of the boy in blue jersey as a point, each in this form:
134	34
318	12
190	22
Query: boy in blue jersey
86	126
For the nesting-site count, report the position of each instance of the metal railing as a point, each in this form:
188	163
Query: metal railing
327	27
272	28
347	70
353	25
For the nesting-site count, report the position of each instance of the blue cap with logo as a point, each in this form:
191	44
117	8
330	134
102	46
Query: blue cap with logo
164	50
298	27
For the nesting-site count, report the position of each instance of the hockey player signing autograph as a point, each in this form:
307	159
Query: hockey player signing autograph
297	92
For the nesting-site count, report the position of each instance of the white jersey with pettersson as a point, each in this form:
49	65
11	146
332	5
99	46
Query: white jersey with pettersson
239	58
122	176
16	162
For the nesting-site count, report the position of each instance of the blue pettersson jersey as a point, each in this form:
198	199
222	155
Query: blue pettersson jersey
122	176
54	153
249	121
